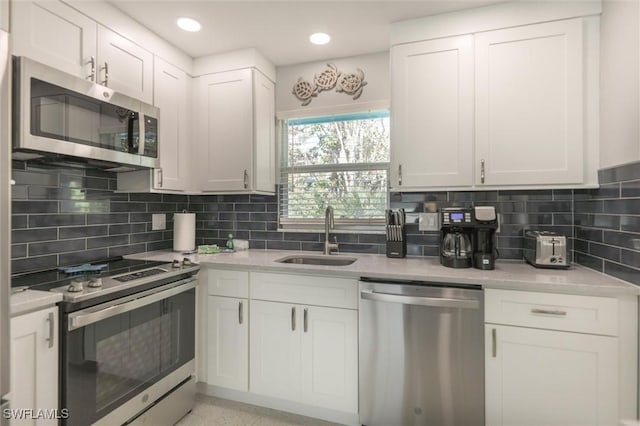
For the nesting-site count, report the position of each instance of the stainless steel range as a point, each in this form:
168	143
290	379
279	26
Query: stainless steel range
127	339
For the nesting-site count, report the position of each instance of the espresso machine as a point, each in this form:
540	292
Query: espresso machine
467	237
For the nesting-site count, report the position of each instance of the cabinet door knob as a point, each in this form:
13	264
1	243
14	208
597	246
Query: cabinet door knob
306	320
240	314
482	171
293	318
92	75
246	179
52	331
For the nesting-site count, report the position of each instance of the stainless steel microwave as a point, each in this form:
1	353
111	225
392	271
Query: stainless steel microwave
64	115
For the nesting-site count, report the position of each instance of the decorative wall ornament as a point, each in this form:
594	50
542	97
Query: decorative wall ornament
304	91
349	83
328	78
352	83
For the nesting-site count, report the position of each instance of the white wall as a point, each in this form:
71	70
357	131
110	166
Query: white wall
619	83
375	94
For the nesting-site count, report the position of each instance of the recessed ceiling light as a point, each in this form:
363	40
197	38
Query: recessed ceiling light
189	24
319	38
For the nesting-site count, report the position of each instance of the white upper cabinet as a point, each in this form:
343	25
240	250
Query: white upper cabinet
59	36
55	34
4	15
124	66
264	133
497	97
432	119
529	105
236	141
171	94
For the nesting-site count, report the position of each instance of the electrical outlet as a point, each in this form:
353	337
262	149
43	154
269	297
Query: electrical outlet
158	221
428	222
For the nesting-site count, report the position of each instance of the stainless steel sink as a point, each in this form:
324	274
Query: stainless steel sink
309	259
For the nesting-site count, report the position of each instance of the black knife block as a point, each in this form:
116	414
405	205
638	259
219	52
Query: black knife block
398	248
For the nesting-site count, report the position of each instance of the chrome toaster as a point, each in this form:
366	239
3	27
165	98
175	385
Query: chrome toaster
545	249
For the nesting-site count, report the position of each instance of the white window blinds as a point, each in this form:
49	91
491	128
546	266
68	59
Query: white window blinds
342	161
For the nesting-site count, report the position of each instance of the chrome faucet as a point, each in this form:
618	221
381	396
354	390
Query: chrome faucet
329	224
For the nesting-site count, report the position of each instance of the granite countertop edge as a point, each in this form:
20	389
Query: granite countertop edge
507	275
32	300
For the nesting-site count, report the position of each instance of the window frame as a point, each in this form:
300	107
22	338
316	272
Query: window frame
342	225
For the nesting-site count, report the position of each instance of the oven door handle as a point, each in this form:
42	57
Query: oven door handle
81	319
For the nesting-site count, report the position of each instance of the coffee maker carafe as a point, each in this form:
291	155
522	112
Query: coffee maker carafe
456	248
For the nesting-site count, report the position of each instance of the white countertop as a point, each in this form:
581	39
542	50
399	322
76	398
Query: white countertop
32	300
507	275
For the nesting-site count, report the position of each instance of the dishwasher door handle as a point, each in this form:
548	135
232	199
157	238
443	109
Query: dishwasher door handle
438	302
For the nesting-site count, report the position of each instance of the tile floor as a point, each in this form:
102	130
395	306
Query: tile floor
215	411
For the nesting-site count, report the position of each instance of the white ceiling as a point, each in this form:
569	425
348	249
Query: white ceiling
280	29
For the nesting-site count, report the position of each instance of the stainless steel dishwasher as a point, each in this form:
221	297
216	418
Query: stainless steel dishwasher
421	353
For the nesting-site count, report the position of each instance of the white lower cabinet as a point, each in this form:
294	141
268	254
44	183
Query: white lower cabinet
546	377
228	342
306	354
34	363
276	355
558	359
227	328
267	336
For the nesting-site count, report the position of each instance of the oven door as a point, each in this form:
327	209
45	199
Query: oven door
114	351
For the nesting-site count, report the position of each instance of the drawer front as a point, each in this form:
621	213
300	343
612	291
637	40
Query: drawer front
305	289
221	282
582	314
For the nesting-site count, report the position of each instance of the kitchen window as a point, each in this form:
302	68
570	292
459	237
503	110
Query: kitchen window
340	161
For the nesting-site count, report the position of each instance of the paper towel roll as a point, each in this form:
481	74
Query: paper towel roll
184	231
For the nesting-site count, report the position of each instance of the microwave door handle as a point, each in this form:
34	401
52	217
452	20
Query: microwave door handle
81	319
133	145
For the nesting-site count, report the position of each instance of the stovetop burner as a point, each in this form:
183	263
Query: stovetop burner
110	277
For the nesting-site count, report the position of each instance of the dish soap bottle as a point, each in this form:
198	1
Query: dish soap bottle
230	242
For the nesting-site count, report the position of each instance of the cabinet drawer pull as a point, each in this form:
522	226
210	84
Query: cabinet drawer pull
549	312
494	343
240	314
399	174
160	178
293	318
482	171
52	331
306	320
246	179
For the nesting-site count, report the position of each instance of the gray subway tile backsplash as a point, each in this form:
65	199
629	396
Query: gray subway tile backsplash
68	216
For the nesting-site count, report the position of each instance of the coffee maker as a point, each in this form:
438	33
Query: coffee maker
467	237
456	232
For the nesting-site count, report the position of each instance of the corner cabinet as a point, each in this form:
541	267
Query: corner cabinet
558	359
235	123
57	35
34	362
171	93
500	108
